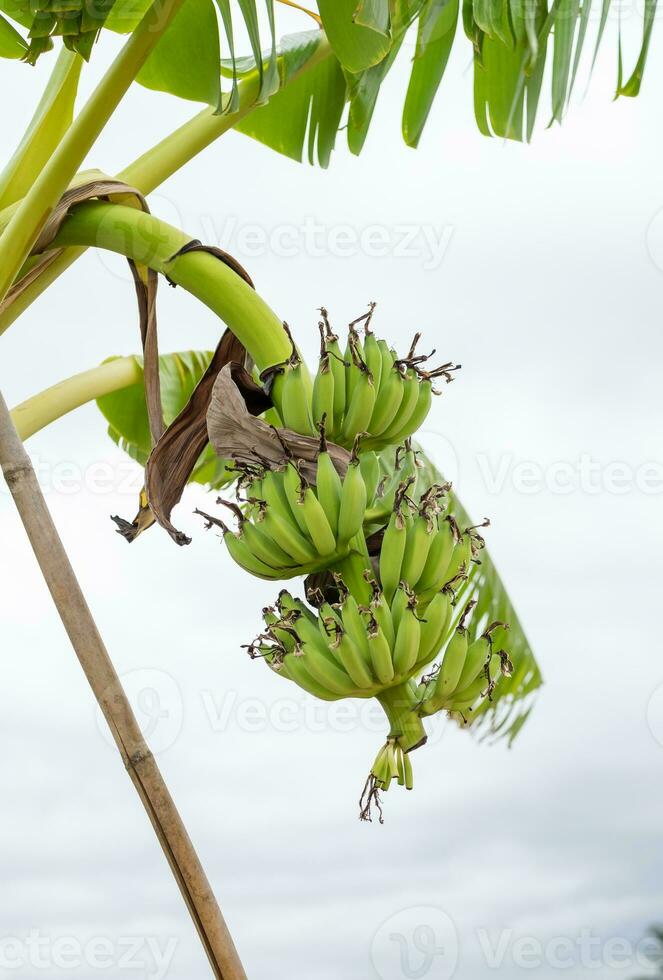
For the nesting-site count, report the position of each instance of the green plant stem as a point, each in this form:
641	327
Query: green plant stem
152	242
47	406
29	218
50	121
399	705
159	163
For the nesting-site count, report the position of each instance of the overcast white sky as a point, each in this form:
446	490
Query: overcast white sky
548	288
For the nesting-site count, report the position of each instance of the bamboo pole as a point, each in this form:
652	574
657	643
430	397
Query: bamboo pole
93	658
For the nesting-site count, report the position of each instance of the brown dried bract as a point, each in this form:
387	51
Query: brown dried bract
236	433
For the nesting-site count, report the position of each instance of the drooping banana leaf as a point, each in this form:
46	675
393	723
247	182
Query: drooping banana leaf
186	60
512	41
304	117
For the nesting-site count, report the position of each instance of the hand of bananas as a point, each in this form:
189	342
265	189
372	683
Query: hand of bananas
390	572
77	22
366	390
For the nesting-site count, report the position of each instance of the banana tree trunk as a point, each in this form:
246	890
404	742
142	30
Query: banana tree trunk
93	657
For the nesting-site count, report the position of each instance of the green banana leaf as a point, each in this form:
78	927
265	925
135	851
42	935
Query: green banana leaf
307	112
12	44
186	60
509	41
126	413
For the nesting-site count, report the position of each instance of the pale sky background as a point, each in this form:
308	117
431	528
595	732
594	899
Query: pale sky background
550	294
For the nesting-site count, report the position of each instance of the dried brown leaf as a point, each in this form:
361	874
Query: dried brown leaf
235	433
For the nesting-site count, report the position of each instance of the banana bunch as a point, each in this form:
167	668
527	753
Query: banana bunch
423	548
467	673
364	390
287	526
347	649
344	649
77	22
369	389
388	567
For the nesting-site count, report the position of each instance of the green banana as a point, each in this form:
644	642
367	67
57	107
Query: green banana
460	562
373	356
328	487
241	553
353	503
337	366
355	628
406	407
353	661
284	532
323	388
295	404
294	663
273	493
382	614
353	355
319	662
319	529
392	552
434	627
478	655
288	605
294	487
264	547
405	471
370	470
402	596
419	539
438	559
362	395
419	414
408	637
355	567
452	665
388	402
409	778
380	653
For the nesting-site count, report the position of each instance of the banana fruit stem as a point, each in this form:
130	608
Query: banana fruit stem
399	704
159	163
152	242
